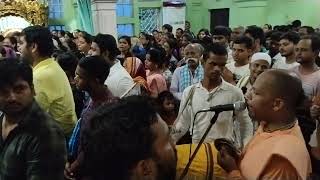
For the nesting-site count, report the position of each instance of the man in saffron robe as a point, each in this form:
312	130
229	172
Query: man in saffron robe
277	150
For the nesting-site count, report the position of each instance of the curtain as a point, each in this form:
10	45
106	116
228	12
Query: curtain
85	15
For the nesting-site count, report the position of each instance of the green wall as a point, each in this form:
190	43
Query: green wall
258	12
242	12
70	16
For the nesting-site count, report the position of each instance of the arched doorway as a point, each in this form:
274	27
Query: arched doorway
18	14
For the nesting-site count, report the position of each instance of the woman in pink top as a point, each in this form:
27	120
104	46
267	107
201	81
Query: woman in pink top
156	81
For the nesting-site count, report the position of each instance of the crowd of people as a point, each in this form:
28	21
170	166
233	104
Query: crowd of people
82	106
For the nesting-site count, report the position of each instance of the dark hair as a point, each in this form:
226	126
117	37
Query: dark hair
206	32
315	42
256	32
296	23
13	40
68	62
96	67
157	55
72	46
221	30
74	49
12	69
107	42
216	49
1	38
168	27
206	41
119	136
127	38
40	36
87	37
291	36
146	35
16	33
244	40
169	35
62	32
172	43
165	95
180	29
310	30
276	36
60	45
149	39
155	31
162	97
269	26
283	28
70	35
187	36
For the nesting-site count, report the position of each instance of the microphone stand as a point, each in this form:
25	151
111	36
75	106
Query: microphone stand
212	121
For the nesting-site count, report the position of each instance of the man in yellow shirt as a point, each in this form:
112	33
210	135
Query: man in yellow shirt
53	91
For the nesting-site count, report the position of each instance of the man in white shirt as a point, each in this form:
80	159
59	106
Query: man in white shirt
274	46
189	74
288	41
242	50
212	91
259	63
221	35
119	80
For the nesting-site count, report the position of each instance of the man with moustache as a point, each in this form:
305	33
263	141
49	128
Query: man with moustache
242	50
212	91
52	89
189	74
288	41
307	50
32	145
259	63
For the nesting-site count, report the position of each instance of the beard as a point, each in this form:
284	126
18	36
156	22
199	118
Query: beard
287	54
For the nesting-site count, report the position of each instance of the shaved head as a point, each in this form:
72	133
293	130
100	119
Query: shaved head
283	85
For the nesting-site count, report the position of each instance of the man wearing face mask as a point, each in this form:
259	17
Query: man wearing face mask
189	74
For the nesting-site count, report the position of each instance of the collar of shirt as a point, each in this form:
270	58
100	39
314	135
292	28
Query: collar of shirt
228	49
278	57
43	63
222	86
115	67
28	119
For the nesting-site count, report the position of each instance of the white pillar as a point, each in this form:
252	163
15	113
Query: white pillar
104	16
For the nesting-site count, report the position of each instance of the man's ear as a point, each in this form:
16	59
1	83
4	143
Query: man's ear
145	169
278	104
34	47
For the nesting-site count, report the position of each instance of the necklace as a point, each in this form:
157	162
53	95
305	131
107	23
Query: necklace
282	128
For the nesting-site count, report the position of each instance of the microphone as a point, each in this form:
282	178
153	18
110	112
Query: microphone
237	106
